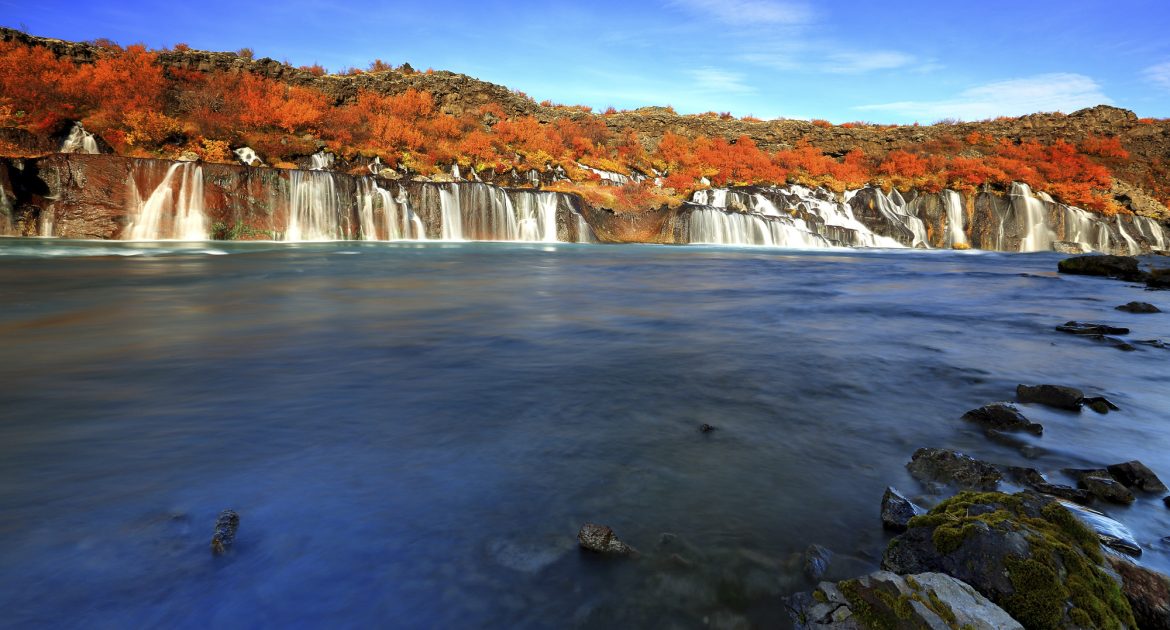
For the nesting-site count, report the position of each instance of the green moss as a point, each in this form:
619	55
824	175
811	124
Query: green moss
221	231
820	596
942	609
1063	565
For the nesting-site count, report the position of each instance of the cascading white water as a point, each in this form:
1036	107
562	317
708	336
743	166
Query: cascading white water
6	225
1033	217
1152	231
173	210
452	213
953	203
321	161
608	177
314	212
893	208
383	217
1130	243
709	225
584	231
1086	229
537	216
79	141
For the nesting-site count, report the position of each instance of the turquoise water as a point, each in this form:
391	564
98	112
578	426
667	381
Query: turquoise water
413	433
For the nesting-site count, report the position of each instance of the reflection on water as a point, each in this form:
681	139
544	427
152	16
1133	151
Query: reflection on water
414	432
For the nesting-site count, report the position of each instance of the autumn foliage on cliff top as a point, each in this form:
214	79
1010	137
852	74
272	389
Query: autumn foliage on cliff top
143	109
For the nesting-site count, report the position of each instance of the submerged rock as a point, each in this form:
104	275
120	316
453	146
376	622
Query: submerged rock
1120	267
601	539
1057	396
816	562
1100	404
1087	328
225	532
706	428
1025	552
1154	343
1136	475
1148	593
1106	489
1003	417
897	510
1033	479
1158	279
886	600
1139	307
953	468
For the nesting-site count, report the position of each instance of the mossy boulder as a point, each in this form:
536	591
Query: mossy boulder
952	468
1025	552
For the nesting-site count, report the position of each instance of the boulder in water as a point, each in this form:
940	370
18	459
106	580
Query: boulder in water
1002	417
1148	593
1024	552
601	539
1139	307
1137	475
225	532
706	428
886	600
1120	267
1087	328
816	562
897	510
953	468
1057	396
1158	279
1100	404
1106	489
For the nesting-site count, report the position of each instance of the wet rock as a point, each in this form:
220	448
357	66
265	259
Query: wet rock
897	510
1166	502
1107	489
601	539
1120	267
816	562
1057	396
225	532
1087	328
886	600
1024	552
1136	475
1158	279
1148	593
1111	533
706	428
953	468
1139	307
1154	343
1002	417
1100	404
1077	473
1033	479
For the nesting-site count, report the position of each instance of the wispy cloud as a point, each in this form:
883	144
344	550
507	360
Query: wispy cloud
710	79
1014	97
745	12
1159	75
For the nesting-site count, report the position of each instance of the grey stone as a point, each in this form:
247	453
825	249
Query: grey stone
1107	489
1057	396
816	562
1136	475
897	510
1002	417
601	539
953	468
1139	307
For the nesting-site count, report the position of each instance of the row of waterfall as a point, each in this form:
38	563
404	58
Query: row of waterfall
320	206
79	141
1024	221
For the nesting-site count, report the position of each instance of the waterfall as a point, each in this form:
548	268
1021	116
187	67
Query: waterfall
452	214
79	141
1152	231
173	210
314	207
953	203
1038	235
584	231
384	217
7	228
537	214
322	161
607	177
892	207
1086	229
720	227
1131	245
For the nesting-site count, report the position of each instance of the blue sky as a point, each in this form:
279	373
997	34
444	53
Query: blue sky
840	60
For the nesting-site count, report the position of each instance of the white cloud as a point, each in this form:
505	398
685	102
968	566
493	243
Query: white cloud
710	79
747	12
1015	97
869	61
1159	75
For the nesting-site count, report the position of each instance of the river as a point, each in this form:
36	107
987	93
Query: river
413	433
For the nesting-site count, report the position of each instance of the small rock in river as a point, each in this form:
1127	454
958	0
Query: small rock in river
706	428
1166	502
1137	475
952	467
1107	489
1002	417
816	562
1139	307
225	531
601	539
897	510
1100	404
1120	267
1088	328
1058	396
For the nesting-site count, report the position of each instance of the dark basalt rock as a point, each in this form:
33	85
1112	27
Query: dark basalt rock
1025	552
953	468
1100	404
1158	279
1154	343
1106	489
601	539
1148	594
1137	475
897	510
706	428
1086	328
1002	417
1033	479
816	562
1120	267
1166	502
1139	307
225	532
1058	396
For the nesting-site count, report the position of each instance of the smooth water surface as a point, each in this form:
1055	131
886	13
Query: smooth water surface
412	434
